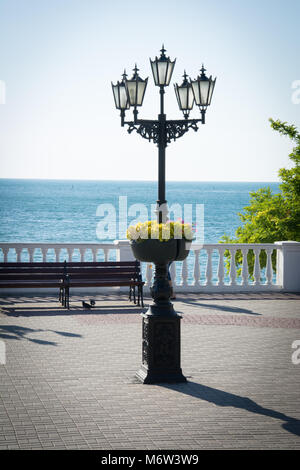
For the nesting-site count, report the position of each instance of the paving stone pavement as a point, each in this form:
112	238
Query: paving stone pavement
68	381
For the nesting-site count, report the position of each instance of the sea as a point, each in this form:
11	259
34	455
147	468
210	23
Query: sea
71	211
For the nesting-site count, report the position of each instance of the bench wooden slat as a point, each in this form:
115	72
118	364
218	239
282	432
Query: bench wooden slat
102	283
83	275
37	272
69	264
79	271
31	283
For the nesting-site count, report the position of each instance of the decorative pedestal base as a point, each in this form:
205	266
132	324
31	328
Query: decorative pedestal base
161	334
161	347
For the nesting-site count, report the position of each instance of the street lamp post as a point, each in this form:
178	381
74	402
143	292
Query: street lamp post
161	325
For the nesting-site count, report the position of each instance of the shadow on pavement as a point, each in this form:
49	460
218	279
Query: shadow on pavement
33	311
223	308
221	398
16	332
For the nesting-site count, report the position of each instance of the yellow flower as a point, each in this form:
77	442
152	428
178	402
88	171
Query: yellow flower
132	233
163	231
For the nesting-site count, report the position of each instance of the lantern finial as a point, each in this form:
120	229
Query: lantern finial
163	50
203	70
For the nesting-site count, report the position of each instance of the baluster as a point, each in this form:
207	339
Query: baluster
5	253
148	275
18	252
31	254
94	254
57	252
269	268
184	273
44	254
173	273
245	270
221	267
208	273
256	271
69	254
232	272
196	281
106	252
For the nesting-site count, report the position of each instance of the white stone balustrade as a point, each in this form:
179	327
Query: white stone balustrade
203	270
214	277
49	252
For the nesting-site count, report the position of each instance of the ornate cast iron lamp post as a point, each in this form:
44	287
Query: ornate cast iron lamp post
161	324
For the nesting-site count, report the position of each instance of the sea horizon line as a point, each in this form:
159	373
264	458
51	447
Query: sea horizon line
134	180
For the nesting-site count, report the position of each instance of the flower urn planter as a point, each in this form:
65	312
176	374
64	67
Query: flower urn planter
157	252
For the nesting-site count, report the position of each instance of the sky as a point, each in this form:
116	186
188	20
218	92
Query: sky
59	57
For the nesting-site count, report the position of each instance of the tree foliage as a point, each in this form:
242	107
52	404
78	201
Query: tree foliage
272	217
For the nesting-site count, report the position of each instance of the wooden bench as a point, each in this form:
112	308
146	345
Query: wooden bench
66	275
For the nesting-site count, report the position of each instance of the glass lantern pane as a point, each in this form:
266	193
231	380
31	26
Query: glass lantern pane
190	98
131	88
123	97
195	87
116	96
211	90
154	71
162	72
204	87
183	96
140	92
177	95
169	72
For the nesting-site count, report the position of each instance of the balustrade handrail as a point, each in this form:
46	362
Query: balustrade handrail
197	246
56	245
192	246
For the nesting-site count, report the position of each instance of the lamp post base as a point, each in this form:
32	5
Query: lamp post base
161	346
146	377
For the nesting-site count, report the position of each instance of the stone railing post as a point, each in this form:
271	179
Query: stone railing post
288	266
123	251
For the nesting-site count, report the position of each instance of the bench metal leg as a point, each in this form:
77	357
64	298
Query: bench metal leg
141	295
66	299
138	292
134	297
61	295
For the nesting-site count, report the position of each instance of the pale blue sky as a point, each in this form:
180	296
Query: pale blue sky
58	57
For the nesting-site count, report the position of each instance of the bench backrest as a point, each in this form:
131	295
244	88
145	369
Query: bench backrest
84	269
